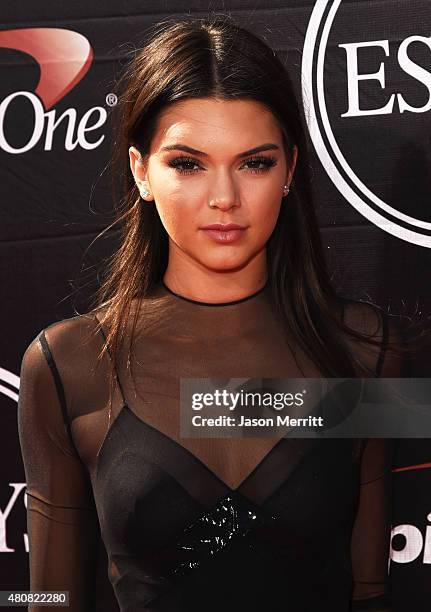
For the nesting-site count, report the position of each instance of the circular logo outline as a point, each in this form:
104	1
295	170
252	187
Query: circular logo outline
395	222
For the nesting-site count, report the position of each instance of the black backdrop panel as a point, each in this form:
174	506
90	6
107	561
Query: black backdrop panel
56	198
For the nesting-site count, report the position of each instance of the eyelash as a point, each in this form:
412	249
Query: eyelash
268	162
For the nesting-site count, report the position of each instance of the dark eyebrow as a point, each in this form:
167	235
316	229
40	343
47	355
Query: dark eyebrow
181	147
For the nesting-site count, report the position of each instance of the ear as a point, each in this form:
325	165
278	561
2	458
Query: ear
139	171
292	165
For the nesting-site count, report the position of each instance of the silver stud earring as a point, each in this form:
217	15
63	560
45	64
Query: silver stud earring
285	190
144	192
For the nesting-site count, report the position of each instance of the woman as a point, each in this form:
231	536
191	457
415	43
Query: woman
211	133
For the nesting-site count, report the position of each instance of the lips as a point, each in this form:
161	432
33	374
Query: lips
224	233
223	227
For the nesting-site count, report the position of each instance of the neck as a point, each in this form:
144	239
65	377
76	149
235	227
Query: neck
218	302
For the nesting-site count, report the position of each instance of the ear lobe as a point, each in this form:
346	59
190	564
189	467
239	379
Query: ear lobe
145	193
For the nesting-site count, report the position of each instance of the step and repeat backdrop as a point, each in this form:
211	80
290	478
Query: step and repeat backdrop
363	71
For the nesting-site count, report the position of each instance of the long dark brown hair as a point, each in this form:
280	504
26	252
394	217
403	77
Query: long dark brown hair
215	58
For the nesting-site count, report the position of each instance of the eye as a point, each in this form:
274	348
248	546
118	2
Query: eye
188	165
263	160
183	165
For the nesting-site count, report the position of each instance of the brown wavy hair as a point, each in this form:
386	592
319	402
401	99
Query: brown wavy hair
215	58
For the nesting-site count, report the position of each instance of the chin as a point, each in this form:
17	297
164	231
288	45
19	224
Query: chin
226	263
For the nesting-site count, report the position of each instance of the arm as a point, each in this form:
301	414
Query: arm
62	522
372	529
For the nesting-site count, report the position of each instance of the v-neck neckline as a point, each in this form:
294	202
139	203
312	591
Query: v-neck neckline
191	455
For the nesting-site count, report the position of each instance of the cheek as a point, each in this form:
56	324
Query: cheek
263	200
169	216
264	215
177	216
177	201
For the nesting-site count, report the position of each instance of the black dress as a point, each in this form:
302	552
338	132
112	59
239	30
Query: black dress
292	525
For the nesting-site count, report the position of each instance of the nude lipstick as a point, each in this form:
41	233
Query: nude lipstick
224	233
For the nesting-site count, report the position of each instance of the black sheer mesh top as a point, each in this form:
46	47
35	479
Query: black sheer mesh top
217	524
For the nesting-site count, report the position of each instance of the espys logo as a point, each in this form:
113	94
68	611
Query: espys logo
361	95
9	384
64	57
414	544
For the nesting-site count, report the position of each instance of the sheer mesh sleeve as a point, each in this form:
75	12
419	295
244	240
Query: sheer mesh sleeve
372	528
62	523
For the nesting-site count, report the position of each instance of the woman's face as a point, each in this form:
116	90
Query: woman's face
201	171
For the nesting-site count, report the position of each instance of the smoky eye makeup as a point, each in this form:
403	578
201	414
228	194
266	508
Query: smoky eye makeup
257	164
184	165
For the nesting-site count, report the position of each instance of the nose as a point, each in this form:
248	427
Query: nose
223	193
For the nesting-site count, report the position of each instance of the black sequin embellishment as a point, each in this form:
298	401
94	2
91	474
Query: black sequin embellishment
232	517
249	529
